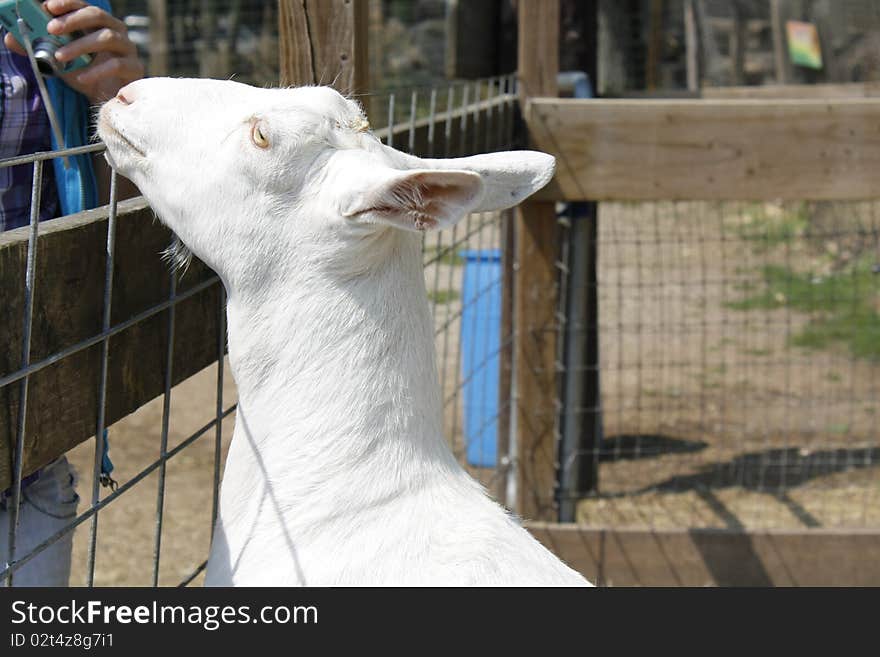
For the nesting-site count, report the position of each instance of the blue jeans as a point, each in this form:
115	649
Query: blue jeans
47	505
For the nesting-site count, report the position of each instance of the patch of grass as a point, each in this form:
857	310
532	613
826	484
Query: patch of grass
759	352
838	429
834	377
441	297
842	306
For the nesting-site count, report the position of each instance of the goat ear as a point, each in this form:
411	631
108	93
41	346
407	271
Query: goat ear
509	177
419	200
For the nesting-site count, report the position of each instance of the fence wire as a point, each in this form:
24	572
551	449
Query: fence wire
740	353
238	39
55	538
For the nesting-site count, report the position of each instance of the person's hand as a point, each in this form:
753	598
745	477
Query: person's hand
114	57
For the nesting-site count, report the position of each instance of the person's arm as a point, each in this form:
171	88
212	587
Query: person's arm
114	64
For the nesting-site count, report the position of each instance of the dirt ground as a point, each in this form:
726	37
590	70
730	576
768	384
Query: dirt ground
127	527
712	418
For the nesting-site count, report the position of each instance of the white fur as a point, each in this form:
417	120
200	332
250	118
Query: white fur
338	472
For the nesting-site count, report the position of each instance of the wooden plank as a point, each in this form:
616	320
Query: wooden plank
324	43
709	149
716	557
538	48
68	302
534	469
796	91
536	331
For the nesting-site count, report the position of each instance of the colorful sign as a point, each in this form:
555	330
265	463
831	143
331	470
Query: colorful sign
803	44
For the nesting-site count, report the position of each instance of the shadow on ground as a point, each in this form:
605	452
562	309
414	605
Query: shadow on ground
628	447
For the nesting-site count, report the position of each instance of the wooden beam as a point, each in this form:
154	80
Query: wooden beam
538	47
709	149
716	557
324	42
68	302
535	302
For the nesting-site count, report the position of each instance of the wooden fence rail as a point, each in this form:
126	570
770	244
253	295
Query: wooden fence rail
743	150
62	405
716	557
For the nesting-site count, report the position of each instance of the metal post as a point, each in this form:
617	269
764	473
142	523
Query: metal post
580	420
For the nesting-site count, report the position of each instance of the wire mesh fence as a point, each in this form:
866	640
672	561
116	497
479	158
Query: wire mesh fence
644	45
238	39
739	365
205	38
38	541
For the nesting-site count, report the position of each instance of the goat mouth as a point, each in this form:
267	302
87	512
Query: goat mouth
108	129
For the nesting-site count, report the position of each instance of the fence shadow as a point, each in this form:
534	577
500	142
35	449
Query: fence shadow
630	447
771	471
730	554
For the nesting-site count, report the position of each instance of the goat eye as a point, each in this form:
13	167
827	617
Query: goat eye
258	136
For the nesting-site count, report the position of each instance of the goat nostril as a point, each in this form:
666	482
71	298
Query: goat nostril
125	96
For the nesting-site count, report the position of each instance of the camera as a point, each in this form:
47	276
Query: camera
44	44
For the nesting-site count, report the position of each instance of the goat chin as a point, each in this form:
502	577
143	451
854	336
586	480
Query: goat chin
338	472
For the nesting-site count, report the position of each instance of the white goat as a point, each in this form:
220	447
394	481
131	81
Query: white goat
338	472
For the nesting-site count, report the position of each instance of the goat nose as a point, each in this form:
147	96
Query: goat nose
126	95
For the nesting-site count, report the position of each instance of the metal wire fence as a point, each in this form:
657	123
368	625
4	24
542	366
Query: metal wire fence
468	269
739	366
238	39
205	38
44	532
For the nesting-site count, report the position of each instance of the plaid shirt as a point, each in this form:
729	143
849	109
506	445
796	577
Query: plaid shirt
24	129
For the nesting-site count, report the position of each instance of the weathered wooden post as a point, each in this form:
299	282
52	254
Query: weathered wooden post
780	54
324	43
535	324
